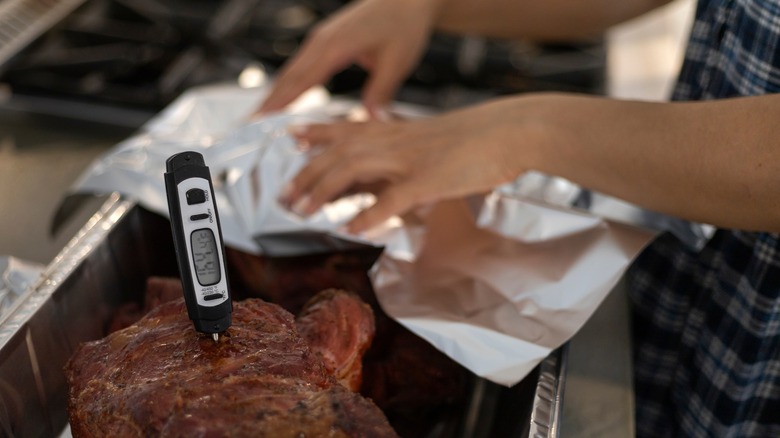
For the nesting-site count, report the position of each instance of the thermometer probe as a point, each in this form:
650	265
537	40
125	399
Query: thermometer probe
197	238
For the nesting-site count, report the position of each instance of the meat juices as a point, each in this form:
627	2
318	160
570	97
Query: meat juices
159	377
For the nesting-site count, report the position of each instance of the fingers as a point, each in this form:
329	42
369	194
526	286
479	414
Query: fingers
334	184
331	174
342	165
298	188
299	198
396	200
353	155
318	133
383	82
313	65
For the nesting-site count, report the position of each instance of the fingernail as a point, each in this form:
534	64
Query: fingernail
382	114
287	190
301	206
379	113
297	130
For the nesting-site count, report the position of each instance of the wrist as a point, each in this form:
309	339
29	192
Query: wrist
533	137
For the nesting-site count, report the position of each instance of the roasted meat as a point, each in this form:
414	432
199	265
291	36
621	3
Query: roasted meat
339	327
416	386
158	290
158	377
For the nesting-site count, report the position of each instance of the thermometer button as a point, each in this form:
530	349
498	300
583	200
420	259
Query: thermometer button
199	217
196	196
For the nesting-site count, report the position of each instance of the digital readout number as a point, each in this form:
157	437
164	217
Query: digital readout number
204	255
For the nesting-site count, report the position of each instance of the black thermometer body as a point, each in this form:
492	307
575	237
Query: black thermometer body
197	237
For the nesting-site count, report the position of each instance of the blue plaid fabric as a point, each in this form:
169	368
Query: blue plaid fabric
707	323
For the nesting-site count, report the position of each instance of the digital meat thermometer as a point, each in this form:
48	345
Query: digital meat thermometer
197	237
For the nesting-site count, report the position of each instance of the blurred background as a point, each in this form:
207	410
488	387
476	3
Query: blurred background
123	59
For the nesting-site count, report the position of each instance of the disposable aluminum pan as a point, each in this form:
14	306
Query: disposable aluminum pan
107	263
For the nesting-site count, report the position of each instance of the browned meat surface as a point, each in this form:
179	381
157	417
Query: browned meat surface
161	290
413	383
159	378
340	327
416	386
158	290
290	282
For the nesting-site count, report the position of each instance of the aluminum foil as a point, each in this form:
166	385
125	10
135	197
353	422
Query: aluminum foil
495	282
16	276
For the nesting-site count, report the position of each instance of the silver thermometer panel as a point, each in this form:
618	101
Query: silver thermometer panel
202	239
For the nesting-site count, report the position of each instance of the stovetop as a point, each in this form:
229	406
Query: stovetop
136	56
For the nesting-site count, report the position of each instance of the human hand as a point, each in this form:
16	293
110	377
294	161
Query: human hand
385	37
406	163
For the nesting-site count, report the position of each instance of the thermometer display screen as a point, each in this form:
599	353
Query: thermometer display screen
205	257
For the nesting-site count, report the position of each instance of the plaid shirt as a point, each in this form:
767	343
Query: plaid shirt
707	323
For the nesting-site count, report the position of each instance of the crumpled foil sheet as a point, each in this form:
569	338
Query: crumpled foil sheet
16	277
495	282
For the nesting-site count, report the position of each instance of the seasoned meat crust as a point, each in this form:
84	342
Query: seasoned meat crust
338	326
159	377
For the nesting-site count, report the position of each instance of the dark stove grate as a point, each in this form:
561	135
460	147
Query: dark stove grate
141	54
22	21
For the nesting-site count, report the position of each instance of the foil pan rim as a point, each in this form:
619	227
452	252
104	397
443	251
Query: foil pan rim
548	396
64	263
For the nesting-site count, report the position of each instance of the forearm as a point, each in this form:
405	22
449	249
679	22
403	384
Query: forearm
714	162
538	19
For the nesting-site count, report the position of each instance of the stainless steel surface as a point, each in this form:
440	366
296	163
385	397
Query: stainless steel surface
103	266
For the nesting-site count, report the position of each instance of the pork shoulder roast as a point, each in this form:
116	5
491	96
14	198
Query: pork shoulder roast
267	376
